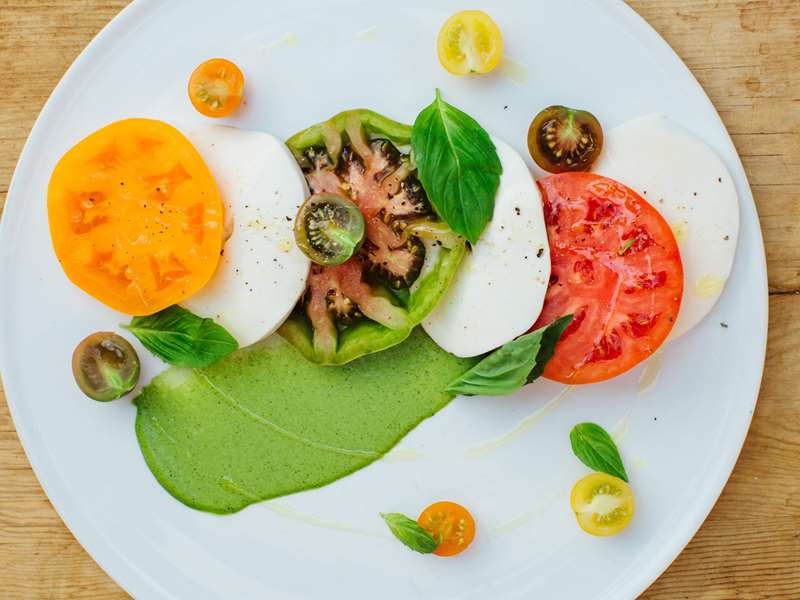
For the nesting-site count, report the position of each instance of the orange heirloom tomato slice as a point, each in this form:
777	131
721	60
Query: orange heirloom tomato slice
216	88
136	219
451	526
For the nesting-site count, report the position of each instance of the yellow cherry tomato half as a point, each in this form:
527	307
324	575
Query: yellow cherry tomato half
603	504
451	526
216	88
470	43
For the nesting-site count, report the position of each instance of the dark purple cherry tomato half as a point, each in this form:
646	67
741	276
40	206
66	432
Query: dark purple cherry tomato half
105	366
562	139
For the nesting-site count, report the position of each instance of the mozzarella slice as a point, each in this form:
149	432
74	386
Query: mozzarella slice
500	287
689	185
262	273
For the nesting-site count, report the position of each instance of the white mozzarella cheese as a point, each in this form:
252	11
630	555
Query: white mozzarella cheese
262	273
689	185
499	289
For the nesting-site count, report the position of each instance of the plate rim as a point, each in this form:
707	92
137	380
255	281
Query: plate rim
136	582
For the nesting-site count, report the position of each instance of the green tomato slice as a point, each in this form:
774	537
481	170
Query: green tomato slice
405	306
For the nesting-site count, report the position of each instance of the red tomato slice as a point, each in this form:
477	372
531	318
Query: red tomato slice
616	268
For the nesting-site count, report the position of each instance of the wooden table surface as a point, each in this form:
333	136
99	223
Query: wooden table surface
746	55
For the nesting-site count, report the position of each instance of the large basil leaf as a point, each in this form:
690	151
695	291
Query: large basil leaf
595	448
181	338
458	166
511	366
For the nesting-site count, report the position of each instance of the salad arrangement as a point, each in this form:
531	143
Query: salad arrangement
388	266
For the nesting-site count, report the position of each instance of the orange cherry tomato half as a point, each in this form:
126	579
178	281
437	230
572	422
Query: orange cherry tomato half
136	219
216	88
451	526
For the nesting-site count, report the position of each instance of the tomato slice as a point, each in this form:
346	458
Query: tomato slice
216	88
615	267
450	524
135	216
603	504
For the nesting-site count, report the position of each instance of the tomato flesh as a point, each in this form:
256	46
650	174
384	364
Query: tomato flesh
450	524
616	267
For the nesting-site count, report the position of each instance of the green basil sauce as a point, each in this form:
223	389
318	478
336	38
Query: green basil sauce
266	422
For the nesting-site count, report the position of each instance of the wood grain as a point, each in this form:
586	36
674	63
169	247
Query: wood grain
747	57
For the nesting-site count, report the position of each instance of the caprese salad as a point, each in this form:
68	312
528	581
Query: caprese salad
358	231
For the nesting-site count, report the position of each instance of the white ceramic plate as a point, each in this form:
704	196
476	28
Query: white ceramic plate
305	61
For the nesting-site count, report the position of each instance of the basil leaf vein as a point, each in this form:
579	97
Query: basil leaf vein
458	165
181	338
594	447
410	533
513	365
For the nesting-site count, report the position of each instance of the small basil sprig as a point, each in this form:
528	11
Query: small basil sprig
458	165
595	448
181	338
410	533
513	365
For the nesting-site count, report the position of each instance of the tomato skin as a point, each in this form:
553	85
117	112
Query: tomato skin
616	267
450	524
216	88
135	216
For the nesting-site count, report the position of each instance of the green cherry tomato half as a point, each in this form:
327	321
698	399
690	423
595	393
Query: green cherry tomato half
562	139
329	229
105	366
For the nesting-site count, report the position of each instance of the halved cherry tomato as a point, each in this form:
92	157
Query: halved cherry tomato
470	42
105	366
603	504
216	88
135	216
451	526
615	267
562	139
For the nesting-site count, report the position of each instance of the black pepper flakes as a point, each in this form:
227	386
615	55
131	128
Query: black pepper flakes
540	253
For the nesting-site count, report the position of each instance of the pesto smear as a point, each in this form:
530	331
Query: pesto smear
266	422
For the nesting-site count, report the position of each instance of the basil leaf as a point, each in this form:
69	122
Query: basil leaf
181	338
458	166
410	533
511	366
595	448
547	347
